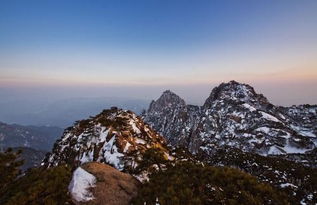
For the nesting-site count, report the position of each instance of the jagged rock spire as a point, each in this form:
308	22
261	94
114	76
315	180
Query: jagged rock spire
167	99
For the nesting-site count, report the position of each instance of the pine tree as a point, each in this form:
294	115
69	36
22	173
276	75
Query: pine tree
9	168
187	183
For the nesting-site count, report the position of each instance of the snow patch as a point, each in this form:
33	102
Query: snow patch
112	155
263	129
291	149
87	157
251	108
81	182
274	150
288	185
103	134
269	117
126	148
134	127
303	132
140	141
255	140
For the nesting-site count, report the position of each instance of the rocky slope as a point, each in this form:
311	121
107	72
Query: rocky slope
36	137
234	115
295	179
114	137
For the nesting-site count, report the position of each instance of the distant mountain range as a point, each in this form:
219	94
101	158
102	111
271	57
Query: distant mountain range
233	115
36	137
33	141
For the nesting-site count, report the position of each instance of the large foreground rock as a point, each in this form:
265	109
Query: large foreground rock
112	187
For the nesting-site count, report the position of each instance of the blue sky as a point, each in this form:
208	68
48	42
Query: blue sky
161	44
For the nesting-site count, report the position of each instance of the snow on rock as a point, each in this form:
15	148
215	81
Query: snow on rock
140	141
275	150
111	154
303	131
126	148
81	184
87	157
134	127
263	129
291	149
103	134
251	108
234	115
288	185
269	117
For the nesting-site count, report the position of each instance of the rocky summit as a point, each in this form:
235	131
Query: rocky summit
234	115
111	137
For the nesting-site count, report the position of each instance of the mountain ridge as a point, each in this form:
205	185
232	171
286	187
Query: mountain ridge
229	132
235	115
36	137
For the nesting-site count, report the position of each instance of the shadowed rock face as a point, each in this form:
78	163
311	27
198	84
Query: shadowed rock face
234	115
168	115
112	187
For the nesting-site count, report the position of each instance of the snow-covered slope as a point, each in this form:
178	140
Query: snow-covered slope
114	136
234	115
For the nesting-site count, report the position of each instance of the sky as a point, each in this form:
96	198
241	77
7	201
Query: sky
58	49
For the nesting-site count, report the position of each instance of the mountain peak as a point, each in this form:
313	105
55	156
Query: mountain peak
235	115
168	94
167	99
164	110
106	137
235	91
233	82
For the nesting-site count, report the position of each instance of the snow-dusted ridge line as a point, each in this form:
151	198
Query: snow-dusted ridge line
235	115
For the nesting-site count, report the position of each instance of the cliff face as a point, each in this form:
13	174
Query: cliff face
171	117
